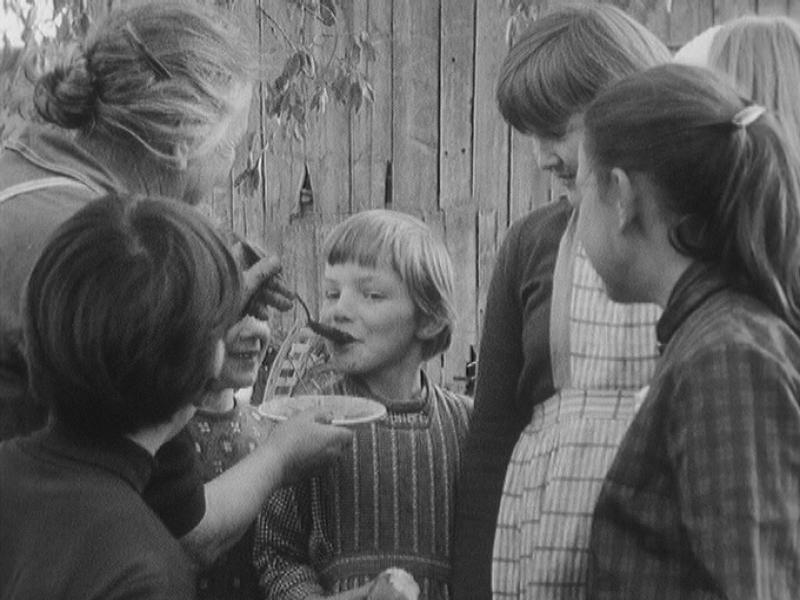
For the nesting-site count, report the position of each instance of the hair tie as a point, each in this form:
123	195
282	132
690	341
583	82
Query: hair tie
155	65
748	115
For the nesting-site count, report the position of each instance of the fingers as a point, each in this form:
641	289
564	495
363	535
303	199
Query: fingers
263	288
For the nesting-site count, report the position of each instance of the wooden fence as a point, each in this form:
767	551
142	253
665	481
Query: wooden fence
431	143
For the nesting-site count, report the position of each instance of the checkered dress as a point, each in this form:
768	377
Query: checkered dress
603	353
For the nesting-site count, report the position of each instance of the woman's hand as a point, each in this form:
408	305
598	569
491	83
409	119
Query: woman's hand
306	442
263	288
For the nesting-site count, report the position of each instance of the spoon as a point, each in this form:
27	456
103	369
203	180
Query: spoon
337	336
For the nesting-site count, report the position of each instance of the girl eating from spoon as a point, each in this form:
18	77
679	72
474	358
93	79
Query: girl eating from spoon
389	284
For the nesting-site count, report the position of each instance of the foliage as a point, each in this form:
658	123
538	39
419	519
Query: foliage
19	66
322	61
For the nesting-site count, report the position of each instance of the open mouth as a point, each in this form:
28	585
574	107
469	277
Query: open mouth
567	179
337	336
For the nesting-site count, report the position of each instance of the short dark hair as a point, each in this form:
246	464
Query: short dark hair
564	59
122	311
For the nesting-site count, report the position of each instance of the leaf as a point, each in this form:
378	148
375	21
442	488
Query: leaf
369	93
327	12
319	101
294	64
340	86
280	84
354	52
356	95
84	23
309	65
368	48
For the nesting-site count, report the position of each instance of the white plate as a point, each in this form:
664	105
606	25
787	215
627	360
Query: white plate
346	410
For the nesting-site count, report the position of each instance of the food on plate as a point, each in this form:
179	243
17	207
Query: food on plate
343	410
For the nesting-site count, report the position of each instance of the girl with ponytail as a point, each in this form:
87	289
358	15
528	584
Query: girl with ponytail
690	198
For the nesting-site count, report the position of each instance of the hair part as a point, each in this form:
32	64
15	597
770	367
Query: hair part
122	312
732	192
109	89
564	59
761	55
379	237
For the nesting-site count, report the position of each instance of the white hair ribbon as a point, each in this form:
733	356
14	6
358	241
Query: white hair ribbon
748	115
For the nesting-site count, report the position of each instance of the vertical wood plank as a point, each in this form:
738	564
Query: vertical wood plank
687	19
455	179
773	7
455	113
283	165
327	143
650	13
371	127
415	101
490	172
460	234
724	10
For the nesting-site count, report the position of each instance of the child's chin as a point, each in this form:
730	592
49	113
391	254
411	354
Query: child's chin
344	364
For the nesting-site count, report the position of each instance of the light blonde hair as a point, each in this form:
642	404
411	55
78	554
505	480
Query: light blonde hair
155	75
375	237
762	56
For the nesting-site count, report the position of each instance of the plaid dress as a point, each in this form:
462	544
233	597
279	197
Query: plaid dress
603	353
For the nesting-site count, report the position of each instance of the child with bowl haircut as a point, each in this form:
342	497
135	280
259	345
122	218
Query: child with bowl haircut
124	314
388	283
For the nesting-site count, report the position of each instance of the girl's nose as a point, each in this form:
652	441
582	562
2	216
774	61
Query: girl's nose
337	309
546	156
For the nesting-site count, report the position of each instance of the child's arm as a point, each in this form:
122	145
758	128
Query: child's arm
234	498
281	548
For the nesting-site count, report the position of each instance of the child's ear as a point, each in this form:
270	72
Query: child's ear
429	327
623	193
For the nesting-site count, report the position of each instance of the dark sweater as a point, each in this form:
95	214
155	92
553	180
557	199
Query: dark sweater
514	374
73	523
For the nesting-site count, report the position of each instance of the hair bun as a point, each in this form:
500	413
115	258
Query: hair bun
66	95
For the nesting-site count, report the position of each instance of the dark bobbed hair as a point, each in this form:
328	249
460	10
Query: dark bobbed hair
564	59
733	192
122	312
372	238
112	88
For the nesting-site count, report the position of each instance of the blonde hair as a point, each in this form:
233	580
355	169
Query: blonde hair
156	75
375	237
762	56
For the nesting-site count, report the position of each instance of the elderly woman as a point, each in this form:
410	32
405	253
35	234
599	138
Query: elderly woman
153	103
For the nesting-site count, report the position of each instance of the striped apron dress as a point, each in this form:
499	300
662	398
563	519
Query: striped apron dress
603	355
